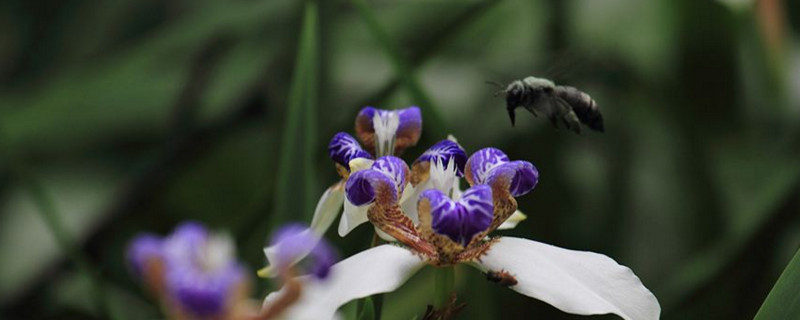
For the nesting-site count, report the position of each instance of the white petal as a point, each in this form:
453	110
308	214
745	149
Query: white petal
377	270
359	164
578	282
272	251
408	202
385	236
513	220
328	207
353	216
325	213
457	189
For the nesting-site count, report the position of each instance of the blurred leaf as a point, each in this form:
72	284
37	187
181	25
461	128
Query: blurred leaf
295	185
26	245
436	124
129	93
754	180
235	177
73	291
783	302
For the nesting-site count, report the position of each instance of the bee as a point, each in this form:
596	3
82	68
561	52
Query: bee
566	104
501	277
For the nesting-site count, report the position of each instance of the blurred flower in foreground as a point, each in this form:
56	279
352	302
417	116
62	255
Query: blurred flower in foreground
288	246
453	231
193	273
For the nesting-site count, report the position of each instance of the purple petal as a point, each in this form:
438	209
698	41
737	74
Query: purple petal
394	168
410	128
482	162
408	131
343	148
185	243
202	292
324	258
444	151
290	242
362	186
463	219
365	130
523	176
294	241
143	248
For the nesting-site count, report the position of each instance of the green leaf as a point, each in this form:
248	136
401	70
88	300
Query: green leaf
295	187
783	302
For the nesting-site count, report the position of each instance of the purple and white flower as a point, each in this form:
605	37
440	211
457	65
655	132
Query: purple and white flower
294	242
454	231
194	272
383	133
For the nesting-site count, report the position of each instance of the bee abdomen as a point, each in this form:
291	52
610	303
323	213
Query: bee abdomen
583	105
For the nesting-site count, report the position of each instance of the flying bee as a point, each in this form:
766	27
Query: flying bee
566	104
501	277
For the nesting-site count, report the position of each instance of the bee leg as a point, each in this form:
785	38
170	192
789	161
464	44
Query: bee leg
511	115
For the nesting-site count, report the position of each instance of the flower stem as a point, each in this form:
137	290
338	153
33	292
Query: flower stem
444	281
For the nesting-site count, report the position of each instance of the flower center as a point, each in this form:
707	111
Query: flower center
443	177
217	253
385	124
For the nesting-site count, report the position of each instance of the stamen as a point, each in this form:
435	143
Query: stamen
385	124
442	178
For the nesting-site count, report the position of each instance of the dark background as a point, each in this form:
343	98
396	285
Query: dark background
123	116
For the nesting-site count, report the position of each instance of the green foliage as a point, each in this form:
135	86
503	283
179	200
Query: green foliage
783	302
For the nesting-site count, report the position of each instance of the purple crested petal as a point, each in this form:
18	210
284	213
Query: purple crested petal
444	151
343	148
365	129
463	219
410	128
523	176
481	162
362	186
394	168
204	293
143	248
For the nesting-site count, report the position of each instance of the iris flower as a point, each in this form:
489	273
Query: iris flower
454	229
193	272
383	133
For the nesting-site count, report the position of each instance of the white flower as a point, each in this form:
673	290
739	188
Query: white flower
577	282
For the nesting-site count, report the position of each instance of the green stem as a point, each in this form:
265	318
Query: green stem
444	282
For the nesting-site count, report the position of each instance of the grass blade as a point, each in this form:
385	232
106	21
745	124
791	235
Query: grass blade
300	130
783	302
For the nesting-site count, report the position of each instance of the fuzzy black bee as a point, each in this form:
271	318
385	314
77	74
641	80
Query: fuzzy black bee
501	277
566	104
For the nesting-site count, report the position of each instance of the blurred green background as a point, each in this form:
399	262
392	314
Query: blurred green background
118	117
